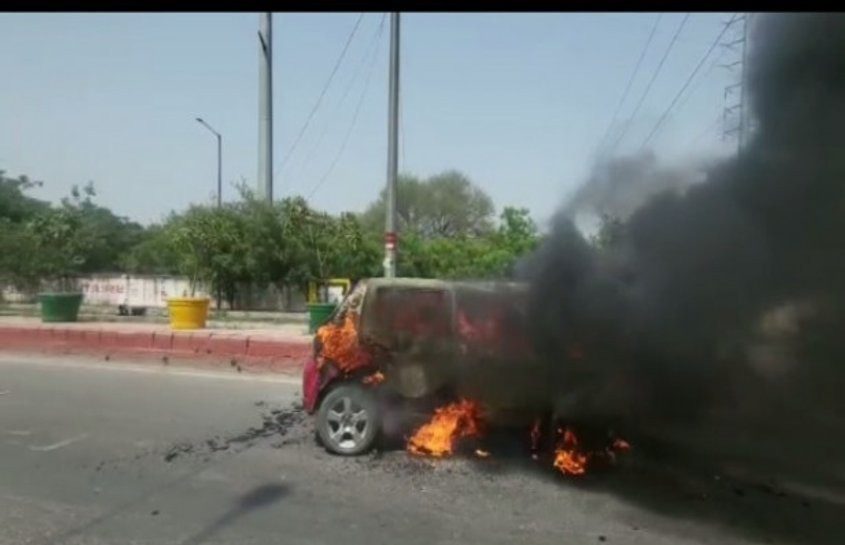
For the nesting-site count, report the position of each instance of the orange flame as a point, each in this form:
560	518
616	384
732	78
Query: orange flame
571	460
375	378
449	423
340	345
568	459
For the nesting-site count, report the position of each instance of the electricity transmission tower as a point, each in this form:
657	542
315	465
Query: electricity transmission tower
735	113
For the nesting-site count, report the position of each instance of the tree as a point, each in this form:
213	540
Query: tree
493	255
152	253
110	236
445	223
212	248
17	259
515	237
352	252
285	243
15	205
517	231
16	241
326	246
413	258
609	233
100	236
273	250
444	205
60	244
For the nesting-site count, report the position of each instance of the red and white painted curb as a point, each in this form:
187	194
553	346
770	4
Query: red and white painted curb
205	347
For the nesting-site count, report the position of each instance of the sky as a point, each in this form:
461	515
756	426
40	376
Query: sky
517	102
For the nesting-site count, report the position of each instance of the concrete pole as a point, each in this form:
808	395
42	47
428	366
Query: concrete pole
390	238
265	107
219	171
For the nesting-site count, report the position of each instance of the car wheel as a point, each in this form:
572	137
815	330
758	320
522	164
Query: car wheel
348	420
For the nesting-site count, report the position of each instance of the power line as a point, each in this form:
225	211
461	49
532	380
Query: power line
701	79
337	157
358	71
663	117
651	82
354	119
322	93
630	82
713	125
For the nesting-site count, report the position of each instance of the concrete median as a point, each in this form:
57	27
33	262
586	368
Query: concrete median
267	350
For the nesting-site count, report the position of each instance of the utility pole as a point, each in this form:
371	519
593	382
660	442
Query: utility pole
740	109
265	107
390	238
219	161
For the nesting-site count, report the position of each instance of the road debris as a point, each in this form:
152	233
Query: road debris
275	423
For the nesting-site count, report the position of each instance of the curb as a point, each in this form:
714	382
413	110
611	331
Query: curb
251	352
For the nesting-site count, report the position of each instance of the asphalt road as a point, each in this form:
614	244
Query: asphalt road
94	453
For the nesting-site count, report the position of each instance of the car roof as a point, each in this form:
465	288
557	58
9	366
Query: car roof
408	282
445	284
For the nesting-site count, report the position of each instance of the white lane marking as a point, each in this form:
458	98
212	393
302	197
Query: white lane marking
19	432
149	369
60	444
3	392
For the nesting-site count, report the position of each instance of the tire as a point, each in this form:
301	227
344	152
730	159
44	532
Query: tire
348	420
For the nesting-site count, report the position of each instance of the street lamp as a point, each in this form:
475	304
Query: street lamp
219	161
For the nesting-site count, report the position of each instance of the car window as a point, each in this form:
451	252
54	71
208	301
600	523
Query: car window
410	312
351	303
492	321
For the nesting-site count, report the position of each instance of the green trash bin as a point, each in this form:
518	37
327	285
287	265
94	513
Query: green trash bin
60	307
318	314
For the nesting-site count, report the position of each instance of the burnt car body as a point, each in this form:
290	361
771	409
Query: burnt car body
419	343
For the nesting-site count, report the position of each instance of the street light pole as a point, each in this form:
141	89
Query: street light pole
219	161
265	107
390	238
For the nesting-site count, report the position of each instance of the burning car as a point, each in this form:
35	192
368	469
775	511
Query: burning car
405	346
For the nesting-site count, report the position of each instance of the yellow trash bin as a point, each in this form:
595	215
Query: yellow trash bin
188	312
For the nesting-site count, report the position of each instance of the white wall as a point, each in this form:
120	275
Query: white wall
152	291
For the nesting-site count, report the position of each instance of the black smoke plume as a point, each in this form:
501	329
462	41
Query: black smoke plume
728	296
617	188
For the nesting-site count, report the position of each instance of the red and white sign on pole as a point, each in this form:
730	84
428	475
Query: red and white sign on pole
390	241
